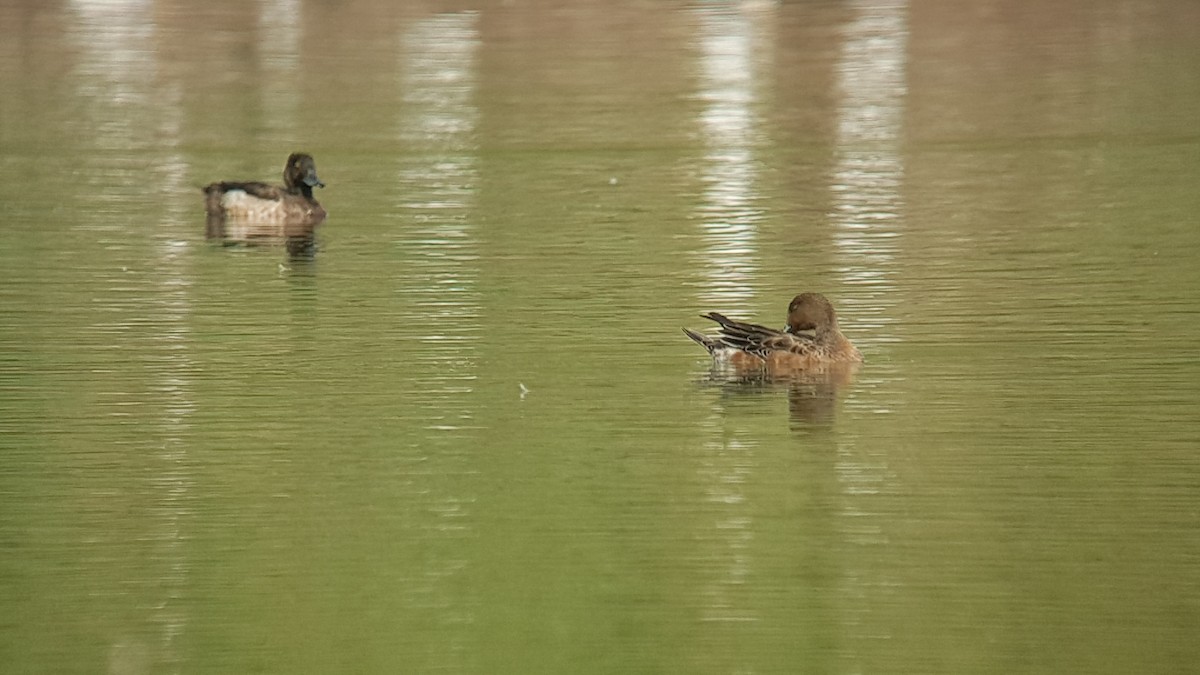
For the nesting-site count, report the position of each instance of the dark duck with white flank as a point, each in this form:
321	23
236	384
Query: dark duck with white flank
250	209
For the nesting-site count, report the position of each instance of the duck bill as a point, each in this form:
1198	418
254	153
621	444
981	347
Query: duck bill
310	179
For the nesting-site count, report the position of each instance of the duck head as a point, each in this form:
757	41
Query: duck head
810	311
300	174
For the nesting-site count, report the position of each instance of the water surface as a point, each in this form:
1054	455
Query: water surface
467	435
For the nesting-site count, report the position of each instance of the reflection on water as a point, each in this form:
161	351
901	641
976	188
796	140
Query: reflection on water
730	43
869	169
115	76
117	68
813	397
129	107
867	179
438	119
280	40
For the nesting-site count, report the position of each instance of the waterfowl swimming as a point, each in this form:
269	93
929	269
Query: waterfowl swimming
262	210
748	346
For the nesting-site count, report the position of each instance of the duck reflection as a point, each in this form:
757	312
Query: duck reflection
251	212
813	396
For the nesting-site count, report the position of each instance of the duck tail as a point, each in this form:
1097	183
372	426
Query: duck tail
703	340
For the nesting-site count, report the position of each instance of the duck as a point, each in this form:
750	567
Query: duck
262	210
811	340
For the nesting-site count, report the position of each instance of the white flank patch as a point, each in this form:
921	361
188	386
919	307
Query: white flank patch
240	205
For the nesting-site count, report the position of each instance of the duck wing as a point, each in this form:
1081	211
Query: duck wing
252	188
757	339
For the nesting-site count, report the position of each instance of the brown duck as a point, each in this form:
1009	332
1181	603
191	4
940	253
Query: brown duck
811	340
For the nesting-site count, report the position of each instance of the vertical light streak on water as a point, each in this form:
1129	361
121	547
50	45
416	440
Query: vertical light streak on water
729	214
117	74
869	172
131	107
731	42
130	112
116	68
279	54
867	223
172	389
438	121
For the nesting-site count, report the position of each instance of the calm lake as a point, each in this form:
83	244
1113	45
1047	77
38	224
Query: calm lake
466	433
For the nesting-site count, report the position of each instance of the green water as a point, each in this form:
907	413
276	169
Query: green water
467	435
